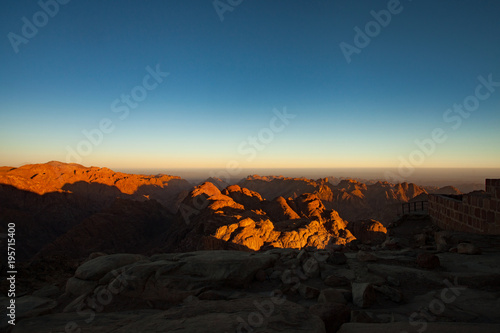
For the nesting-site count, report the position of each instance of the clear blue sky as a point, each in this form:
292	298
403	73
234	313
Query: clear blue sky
226	78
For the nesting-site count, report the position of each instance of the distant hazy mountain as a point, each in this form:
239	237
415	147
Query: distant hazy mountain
219	183
443	190
352	199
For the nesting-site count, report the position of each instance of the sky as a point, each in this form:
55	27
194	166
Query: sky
251	84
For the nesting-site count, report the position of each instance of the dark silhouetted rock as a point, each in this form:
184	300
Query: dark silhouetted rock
428	260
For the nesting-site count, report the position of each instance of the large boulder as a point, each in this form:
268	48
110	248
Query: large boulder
363	294
25	307
429	327
368	231
77	287
332	314
96	268
468	248
428	260
336	281
391	293
173	277
49	291
442	240
308	292
331	295
258	314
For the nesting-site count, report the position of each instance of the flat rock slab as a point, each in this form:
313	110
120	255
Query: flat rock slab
73	322
430	328
255	314
189	273
26	306
484	263
96	268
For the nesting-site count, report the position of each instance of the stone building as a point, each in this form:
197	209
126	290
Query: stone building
475	212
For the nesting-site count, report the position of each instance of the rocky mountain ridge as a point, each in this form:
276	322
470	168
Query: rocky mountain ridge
352	199
75	178
55	202
242	217
95	256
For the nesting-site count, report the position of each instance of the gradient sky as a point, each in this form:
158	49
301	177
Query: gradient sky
226	78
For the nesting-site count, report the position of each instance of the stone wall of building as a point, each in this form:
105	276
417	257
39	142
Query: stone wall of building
476	212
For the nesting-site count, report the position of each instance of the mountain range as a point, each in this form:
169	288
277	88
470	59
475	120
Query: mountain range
69	210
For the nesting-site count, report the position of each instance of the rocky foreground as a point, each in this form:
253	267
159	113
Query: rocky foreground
419	279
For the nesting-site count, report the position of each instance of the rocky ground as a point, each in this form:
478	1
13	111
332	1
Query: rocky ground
418	279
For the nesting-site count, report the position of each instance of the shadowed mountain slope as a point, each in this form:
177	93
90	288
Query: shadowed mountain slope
75	178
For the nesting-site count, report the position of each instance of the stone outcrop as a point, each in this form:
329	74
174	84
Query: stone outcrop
368	231
242	217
